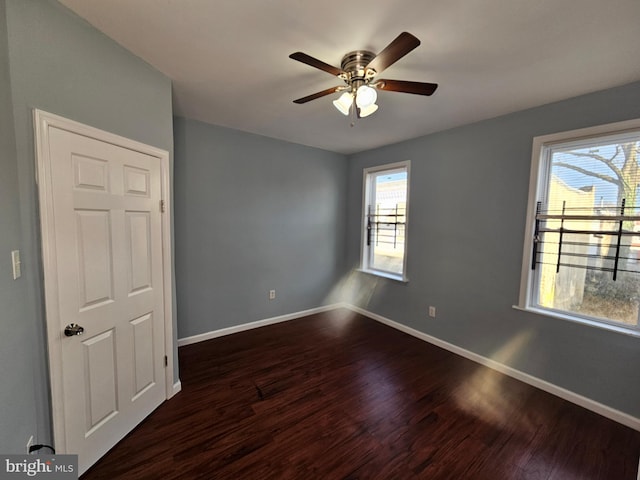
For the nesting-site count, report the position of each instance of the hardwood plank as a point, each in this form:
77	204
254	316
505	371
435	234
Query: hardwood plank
340	396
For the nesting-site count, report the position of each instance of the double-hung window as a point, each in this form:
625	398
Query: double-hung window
582	246
385	215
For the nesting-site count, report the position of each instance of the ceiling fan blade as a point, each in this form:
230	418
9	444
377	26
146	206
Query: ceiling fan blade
417	88
314	62
403	44
313	96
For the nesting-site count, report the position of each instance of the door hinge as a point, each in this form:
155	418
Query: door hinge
162	206
166	361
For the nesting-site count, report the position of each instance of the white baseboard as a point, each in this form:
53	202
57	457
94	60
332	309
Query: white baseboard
599	408
257	324
176	388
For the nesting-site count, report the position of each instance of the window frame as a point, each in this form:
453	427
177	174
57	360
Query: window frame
538	180
366	194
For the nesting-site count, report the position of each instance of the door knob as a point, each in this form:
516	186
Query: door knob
73	329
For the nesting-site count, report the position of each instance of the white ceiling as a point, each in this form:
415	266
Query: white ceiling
228	59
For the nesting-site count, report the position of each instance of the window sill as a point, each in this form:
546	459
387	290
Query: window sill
582	321
388	276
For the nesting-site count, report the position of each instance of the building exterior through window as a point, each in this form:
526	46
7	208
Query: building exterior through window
584	236
385	217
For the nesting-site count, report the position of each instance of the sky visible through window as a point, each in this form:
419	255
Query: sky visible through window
391	177
606	193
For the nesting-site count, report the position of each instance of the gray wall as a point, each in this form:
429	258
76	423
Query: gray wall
468	203
59	63
17	399
253	214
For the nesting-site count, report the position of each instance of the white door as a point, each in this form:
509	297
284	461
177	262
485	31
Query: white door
105	240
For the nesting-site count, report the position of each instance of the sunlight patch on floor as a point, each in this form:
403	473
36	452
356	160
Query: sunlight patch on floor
483	394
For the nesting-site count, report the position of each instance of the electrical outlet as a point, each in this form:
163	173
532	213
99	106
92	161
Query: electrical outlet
272	294
29	443
432	312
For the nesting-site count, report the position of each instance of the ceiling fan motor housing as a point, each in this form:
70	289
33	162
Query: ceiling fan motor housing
354	64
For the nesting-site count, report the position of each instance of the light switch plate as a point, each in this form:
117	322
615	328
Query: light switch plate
15	261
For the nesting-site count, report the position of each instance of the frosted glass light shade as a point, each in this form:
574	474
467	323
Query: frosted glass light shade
343	104
366	96
366	111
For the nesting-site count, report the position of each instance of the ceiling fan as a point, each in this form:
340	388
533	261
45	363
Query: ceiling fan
358	71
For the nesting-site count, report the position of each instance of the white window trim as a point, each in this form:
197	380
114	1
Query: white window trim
537	181
363	225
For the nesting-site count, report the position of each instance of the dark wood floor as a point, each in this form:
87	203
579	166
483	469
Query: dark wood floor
340	396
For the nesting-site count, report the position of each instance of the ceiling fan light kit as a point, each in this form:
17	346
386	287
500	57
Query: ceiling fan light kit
365	96
343	103
366	111
358	71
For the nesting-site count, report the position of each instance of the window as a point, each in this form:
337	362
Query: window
582	247
385	213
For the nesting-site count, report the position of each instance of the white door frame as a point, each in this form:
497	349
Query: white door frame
42	122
